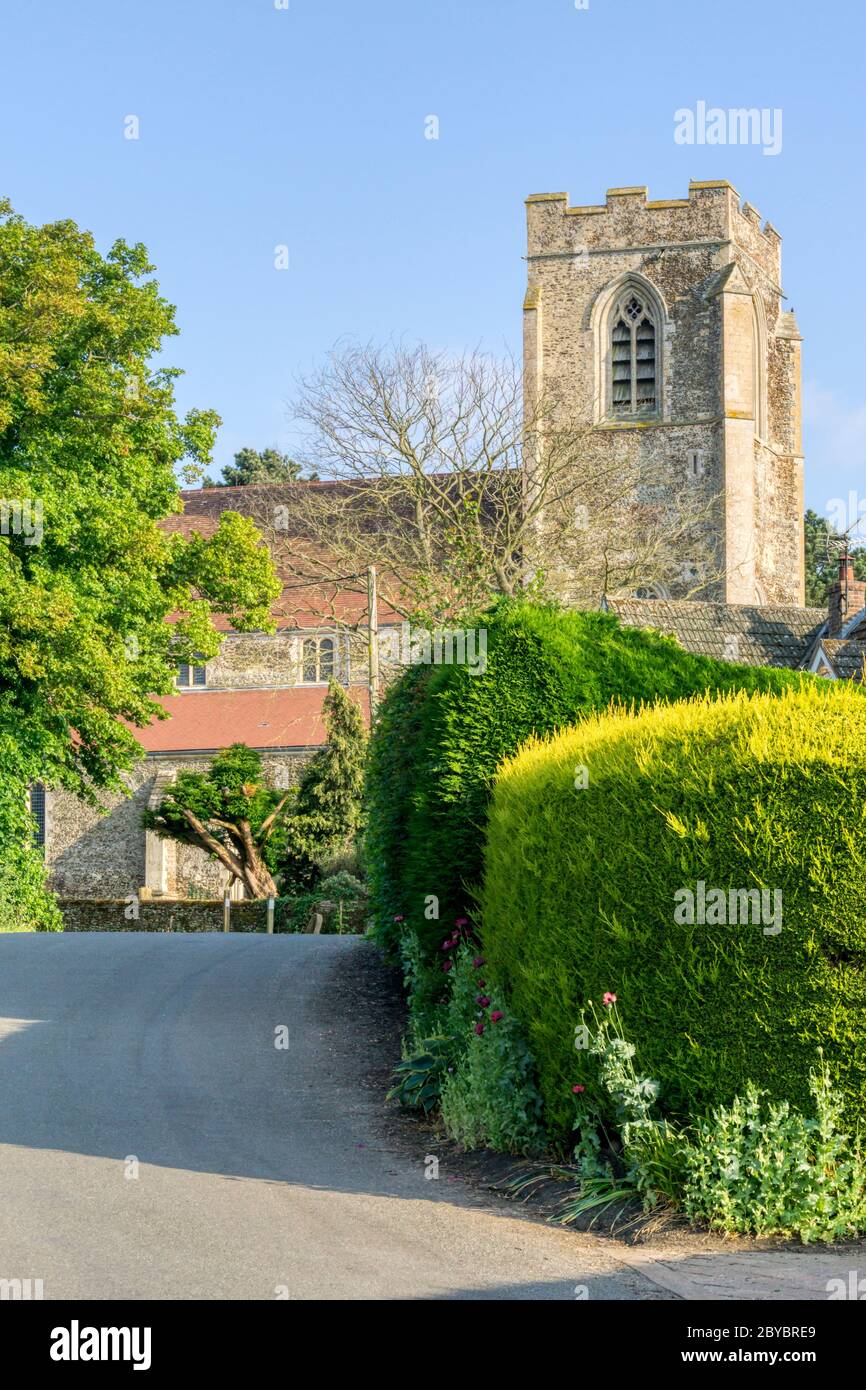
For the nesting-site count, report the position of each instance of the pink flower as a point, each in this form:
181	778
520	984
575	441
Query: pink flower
478	962
447	965
399	919
578	1089
479	1028
608	999
461	921
496	1015
446	945
480	984
482	999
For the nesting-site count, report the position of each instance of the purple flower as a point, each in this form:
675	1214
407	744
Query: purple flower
496	1015
479	1028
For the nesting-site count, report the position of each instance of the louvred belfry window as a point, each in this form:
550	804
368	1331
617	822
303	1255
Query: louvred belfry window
633	358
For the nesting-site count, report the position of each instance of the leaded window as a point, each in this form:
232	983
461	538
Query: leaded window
319	659
633	357
188	676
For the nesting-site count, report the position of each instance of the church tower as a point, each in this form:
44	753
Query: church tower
662	326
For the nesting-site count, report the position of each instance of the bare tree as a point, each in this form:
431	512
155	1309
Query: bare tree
457	489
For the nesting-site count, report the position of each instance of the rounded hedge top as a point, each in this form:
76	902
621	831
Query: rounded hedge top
706	862
443	731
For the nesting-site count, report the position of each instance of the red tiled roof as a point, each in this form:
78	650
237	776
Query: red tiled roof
202	721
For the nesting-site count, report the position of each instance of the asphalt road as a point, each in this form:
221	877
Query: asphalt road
156	1142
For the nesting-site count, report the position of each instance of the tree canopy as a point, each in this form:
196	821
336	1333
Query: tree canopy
89	446
824	545
252	468
230	811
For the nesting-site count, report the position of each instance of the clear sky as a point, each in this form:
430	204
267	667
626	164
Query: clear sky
305	127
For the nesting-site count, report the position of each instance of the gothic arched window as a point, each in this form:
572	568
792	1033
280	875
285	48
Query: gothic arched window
633	356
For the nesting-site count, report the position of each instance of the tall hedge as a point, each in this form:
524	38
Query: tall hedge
443	731
585	893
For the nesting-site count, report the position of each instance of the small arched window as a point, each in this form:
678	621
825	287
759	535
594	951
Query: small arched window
319	660
633	357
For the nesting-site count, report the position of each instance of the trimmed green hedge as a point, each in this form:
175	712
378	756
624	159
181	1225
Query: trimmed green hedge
585	892
443	731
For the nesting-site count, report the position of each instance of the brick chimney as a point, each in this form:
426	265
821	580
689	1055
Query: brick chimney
847	596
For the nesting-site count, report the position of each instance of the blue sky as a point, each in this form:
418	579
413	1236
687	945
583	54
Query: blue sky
304	127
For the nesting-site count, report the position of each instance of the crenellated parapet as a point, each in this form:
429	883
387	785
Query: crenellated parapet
629	220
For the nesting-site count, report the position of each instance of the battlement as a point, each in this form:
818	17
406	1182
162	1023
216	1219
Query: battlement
629	219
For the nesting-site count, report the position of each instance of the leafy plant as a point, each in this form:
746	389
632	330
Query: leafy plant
622	1149
229	811
420	1077
491	1099
759	1167
25	903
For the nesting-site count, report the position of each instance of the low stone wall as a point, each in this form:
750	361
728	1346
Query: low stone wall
206	914
163	914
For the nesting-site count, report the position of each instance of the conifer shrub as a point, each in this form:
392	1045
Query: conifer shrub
442	731
327	809
711	874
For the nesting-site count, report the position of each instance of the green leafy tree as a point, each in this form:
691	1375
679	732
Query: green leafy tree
89	447
229	811
823	546
251	468
24	903
326	815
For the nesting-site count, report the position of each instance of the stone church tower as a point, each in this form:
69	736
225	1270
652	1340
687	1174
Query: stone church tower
662	325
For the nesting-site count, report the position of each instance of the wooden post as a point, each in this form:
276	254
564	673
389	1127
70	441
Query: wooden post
373	639
227	913
270	926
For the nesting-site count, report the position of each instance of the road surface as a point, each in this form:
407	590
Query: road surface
158	1140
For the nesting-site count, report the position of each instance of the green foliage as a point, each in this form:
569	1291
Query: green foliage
89	443
622	1147
232	788
419	1077
341	887
252	468
327	809
442	732
229	810
25	904
484	1078
759	1168
752	1168
491	1099
584	893
822	562
291	914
